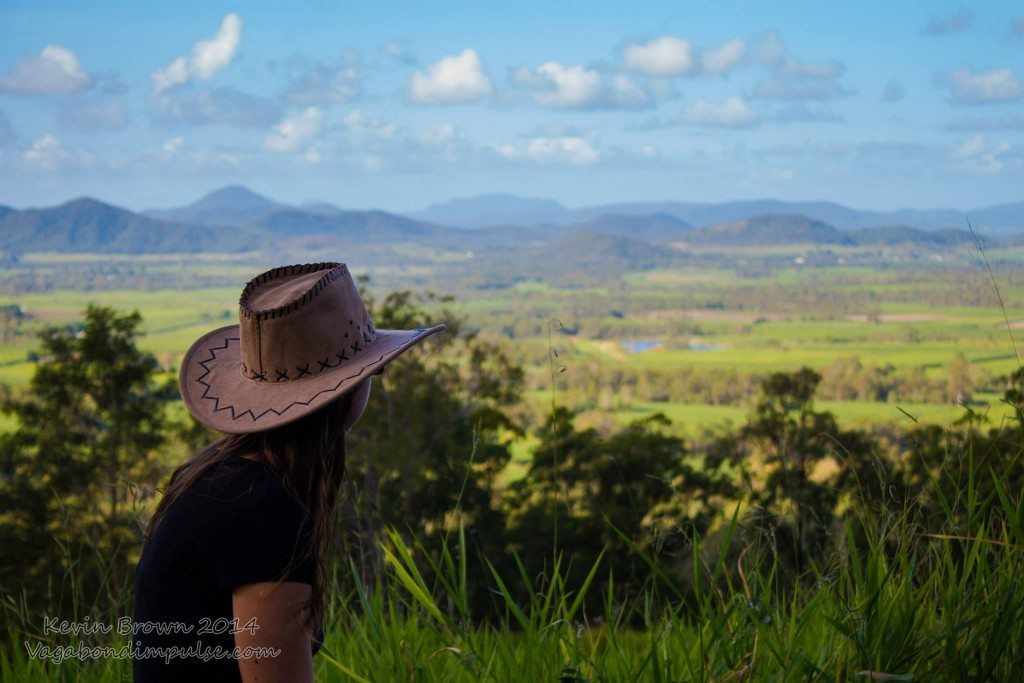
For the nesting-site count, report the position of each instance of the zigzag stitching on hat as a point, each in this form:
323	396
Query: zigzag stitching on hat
213	356
216	400
333	270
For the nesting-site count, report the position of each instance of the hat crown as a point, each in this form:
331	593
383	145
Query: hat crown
300	321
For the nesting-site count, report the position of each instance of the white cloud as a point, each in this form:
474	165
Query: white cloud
48	153
174	144
996	85
978	156
664	56
725	57
970	147
674	56
295	131
734	112
373	162
397	51
795	79
313	153
175	155
774	52
444	141
54	70
326	82
575	87
439	135
208	57
770	48
363	126
561	86
175	73
546	150
457	79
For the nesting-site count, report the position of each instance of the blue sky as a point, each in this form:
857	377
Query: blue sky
398	105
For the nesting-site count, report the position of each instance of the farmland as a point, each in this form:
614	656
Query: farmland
726	317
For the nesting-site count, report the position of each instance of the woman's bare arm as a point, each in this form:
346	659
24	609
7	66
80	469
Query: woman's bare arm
271	615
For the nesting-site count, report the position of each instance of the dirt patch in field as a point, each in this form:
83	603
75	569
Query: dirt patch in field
611	348
49	314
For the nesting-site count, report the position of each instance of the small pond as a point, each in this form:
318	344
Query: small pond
641	345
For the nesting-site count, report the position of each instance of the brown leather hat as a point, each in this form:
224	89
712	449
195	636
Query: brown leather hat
304	339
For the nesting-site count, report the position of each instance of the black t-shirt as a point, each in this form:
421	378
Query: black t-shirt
236	525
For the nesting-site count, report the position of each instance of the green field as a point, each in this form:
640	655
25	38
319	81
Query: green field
713	317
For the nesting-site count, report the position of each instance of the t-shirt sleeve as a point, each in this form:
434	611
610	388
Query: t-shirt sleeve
256	537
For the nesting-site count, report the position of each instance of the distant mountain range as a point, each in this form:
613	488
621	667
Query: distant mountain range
496	209
87	225
490	210
244	221
236	219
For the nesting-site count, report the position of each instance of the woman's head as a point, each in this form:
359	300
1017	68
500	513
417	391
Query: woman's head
308	456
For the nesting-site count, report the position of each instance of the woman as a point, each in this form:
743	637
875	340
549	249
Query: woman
232	582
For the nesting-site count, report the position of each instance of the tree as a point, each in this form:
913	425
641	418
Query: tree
87	438
961	381
435	436
583	493
797	464
10	316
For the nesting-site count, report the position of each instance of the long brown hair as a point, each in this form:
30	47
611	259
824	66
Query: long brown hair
308	456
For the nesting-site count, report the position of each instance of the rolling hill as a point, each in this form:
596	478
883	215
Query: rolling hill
892	235
771	230
367	226
591	251
232	205
657	227
88	225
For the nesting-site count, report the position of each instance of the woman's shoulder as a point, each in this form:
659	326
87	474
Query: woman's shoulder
251	529
238	481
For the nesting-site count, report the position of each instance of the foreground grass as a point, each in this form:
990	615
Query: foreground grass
892	603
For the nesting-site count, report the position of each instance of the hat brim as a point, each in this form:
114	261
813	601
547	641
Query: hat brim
217	393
